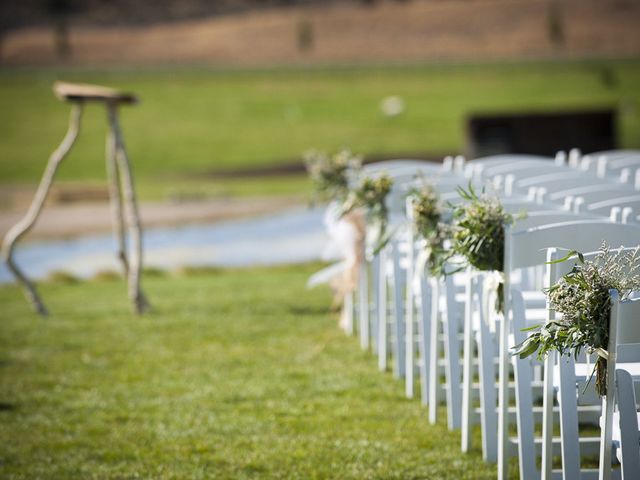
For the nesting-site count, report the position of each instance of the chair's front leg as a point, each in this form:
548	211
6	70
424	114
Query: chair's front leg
467	372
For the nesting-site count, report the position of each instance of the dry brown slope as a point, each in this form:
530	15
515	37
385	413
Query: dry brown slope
412	31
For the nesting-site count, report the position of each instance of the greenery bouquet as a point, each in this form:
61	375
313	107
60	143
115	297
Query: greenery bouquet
428	219
478	234
371	195
331	174
582	298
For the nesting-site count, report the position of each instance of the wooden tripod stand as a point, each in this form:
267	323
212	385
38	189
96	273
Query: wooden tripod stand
121	191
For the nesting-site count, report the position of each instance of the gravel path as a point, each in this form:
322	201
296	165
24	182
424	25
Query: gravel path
73	220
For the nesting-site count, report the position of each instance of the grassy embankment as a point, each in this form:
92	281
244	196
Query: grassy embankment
194	123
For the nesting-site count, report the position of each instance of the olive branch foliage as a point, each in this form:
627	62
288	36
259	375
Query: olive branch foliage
333	178
477	234
331	174
583	300
430	222
371	195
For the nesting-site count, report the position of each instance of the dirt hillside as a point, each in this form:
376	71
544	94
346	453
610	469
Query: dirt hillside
411	31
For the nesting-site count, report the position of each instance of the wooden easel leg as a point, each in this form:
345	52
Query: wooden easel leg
27	222
115	194
138	299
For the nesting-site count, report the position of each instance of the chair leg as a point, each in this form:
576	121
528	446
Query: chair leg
382	313
452	359
604	470
398	300
410	353
488	401
363	302
570	443
525	421
434	373
136	295
409	379
22	227
503	396
374	318
467	356
347	313
424	333
547	417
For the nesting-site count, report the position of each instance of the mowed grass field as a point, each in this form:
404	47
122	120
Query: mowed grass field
193	123
235	374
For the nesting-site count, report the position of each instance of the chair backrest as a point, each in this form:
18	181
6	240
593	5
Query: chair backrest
555	181
387	165
624	162
592	193
524	167
624	328
548	217
616	153
603	207
509	158
527	248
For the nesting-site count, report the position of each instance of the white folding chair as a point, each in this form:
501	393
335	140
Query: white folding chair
524	249
562	375
624	351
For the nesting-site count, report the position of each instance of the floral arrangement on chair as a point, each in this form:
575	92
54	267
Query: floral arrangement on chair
582	297
478	234
428	219
371	195
331	174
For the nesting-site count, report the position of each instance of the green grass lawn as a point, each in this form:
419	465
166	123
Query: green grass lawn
235	374
194	122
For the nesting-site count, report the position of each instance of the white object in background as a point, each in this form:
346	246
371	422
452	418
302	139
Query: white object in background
574	157
392	106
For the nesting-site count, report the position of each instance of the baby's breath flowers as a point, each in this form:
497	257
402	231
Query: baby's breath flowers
582	297
330	175
429	224
478	234
371	195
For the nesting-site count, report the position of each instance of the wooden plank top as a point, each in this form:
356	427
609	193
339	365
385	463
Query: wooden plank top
79	92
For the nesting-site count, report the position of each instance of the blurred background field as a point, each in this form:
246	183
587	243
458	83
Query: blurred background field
234	91
206	132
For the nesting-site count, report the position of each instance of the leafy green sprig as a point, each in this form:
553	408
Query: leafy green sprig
428	218
371	195
582	298
331	175
478	234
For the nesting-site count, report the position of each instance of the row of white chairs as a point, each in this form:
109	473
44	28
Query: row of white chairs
445	329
